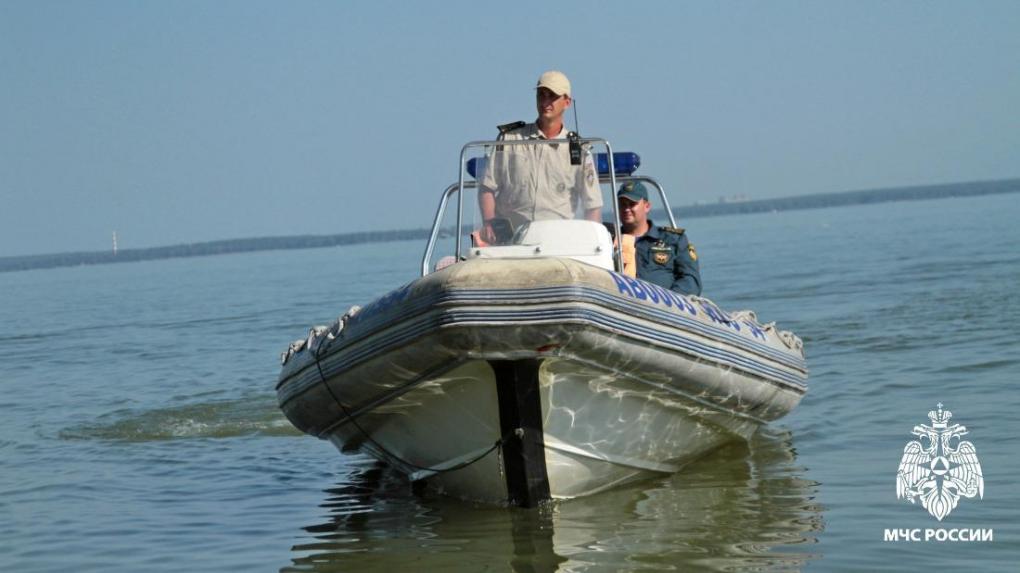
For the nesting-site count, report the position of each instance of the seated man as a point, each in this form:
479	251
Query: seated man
530	183
663	255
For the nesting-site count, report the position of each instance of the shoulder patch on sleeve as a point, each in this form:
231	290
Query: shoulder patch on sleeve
590	173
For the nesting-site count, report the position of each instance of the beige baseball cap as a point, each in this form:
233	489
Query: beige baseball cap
555	81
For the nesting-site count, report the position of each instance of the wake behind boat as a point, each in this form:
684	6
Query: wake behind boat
536	368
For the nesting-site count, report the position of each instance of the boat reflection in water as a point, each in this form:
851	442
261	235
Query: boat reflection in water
746	506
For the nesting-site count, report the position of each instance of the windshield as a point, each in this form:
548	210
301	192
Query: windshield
534	179
506	184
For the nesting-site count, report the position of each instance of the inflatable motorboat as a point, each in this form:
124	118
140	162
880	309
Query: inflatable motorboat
537	369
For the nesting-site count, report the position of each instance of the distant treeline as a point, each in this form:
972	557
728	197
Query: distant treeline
822	200
205	249
815	201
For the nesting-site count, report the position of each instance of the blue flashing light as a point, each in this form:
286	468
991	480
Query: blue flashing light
625	162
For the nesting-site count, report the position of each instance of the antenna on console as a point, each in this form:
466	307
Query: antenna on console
576	129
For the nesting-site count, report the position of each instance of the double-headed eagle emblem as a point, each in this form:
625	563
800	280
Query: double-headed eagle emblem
939	467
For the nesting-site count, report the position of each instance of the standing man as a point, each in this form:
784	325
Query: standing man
530	183
663	255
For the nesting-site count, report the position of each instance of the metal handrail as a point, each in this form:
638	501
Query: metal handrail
440	212
430	247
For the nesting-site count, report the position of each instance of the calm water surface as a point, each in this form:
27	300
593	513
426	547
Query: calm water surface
140	430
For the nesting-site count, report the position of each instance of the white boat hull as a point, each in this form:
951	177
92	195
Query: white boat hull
586	383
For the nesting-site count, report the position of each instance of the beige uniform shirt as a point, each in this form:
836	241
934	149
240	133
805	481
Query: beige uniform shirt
534	183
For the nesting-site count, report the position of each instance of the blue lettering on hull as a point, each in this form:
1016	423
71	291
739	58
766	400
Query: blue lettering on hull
640	290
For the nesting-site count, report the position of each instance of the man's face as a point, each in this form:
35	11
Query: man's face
633	213
550	105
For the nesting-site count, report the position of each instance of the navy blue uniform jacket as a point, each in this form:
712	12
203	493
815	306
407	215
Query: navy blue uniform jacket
665	257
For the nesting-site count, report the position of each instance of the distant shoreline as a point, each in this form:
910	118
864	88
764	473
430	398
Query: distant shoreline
230	246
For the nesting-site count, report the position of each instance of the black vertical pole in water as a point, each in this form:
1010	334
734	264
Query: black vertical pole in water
520	416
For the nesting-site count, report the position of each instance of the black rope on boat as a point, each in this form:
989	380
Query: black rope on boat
390	454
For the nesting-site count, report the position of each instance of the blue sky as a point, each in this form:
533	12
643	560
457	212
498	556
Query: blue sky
176	122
